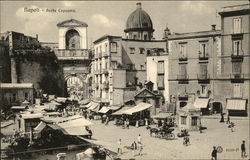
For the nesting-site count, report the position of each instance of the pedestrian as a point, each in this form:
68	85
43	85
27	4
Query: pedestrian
127	123
134	147
140	148
228	119
139	138
214	153
232	126
243	149
119	148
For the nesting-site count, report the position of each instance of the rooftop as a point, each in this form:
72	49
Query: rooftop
106	36
194	34
16	85
242	7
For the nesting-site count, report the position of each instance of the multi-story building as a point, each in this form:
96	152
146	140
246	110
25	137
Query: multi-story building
191	67
119	65
233	70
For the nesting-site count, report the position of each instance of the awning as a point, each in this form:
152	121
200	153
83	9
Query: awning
25	102
162	115
40	127
115	107
89	105
104	110
76	131
84	101
61	99
140	107
19	107
201	102
120	112
236	104
81	122
94	106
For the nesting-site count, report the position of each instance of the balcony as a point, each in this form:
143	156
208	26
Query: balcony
203	56
105	54
182	78
203	78
74	54
237	57
105	85
105	71
183	96
237	77
183	58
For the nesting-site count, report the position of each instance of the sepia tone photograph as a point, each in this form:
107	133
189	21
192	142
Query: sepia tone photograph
124	80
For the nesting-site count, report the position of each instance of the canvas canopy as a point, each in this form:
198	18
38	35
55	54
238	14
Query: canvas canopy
162	115
201	102
236	104
140	107
120	112
94	107
104	110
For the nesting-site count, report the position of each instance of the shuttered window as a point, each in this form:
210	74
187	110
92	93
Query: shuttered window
237	25
236	67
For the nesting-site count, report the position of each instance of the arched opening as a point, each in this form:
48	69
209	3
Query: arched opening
72	39
217	107
75	87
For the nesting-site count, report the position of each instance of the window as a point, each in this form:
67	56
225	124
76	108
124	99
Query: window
96	51
113	46
134	36
142	50
142	67
100	49
160	81
26	95
203	68
14	97
236	47
114	64
236	90
237	25
183	120
236	67
145	37
106	47
194	121
132	50
203	49
160	66
203	91
183	69
106	65
183	50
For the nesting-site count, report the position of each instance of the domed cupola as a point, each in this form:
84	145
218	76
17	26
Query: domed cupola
139	25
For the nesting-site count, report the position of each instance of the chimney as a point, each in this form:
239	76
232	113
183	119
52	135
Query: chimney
213	27
138	5
37	37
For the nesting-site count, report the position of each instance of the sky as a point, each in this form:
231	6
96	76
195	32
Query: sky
109	17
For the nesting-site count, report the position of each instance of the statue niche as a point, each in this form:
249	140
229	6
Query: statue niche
72	39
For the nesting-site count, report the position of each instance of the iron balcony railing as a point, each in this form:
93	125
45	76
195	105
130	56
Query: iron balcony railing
76	54
182	77
203	76
203	56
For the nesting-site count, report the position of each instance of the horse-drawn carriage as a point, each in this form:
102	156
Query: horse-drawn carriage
164	133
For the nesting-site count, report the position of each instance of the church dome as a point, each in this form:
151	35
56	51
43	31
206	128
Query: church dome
139	20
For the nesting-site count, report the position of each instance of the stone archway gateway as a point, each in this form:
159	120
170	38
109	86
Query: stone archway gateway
74	57
76	85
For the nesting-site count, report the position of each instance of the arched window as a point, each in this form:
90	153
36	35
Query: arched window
72	39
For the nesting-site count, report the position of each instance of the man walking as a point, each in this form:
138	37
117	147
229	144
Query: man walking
139	139
119	150
140	148
214	153
134	148
243	149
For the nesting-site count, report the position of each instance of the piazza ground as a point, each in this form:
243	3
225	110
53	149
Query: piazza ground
216	134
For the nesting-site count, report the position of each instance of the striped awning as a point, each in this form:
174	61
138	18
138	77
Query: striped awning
140	107
104	110
201	102
236	104
94	107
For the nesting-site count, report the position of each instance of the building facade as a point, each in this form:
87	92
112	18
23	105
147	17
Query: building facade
192	62
16	93
119	64
233	70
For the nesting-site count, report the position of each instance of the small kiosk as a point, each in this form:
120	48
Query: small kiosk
189	118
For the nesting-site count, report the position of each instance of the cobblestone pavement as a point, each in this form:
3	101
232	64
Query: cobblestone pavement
216	134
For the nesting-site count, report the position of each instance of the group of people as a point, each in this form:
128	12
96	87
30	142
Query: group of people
134	146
